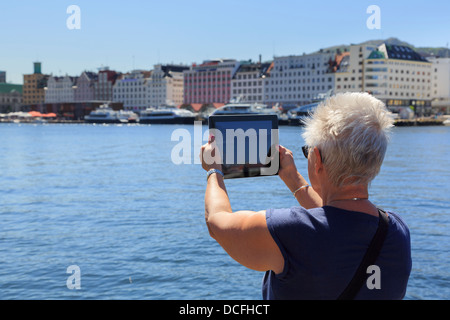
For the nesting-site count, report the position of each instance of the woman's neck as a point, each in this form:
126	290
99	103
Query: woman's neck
352	198
332	194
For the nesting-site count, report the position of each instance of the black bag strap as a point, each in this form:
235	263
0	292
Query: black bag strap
369	258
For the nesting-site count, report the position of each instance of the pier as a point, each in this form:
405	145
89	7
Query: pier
418	122
397	123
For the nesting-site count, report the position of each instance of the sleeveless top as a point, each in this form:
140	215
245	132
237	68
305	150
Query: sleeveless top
322	249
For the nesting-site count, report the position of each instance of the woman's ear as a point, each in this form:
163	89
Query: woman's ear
318	164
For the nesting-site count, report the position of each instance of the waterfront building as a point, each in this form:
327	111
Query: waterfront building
60	90
10	97
397	75
400	77
33	95
298	79
131	90
209	82
349	68
165	86
248	82
103	87
440	84
85	89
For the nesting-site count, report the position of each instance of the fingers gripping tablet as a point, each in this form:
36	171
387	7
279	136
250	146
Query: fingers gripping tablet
247	145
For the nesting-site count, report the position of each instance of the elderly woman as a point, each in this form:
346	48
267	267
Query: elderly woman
313	251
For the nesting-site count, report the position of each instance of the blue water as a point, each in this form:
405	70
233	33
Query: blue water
110	200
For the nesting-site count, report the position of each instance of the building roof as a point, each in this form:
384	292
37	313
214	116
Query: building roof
167	69
62	78
91	75
196	106
387	51
262	68
214	62
376	54
111	75
9	88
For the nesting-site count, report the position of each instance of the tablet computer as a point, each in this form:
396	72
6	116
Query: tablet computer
247	145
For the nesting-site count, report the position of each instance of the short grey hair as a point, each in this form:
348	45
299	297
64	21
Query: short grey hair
351	130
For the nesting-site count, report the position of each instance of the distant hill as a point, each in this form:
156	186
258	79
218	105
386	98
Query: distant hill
424	51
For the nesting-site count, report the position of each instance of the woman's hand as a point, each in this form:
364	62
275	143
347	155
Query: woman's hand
288	169
210	156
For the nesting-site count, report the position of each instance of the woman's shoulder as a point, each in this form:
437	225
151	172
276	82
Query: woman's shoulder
397	218
325	217
289	214
295	217
397	224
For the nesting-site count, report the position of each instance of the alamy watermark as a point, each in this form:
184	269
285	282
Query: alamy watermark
374	280
374	20
73	22
74	280
242	147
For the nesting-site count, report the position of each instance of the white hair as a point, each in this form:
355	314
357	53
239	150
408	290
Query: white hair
351	130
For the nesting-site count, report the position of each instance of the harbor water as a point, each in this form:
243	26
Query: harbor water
110	200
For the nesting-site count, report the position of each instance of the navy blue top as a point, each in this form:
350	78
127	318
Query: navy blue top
322	249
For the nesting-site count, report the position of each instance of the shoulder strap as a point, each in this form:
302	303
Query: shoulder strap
369	259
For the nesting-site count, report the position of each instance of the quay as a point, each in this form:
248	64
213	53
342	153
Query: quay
38	121
418	122
397	123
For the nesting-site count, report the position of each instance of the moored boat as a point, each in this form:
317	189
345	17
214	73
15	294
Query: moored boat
105	115
167	115
297	115
126	116
242	108
237	108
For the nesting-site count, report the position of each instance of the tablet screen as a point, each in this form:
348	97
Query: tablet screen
247	144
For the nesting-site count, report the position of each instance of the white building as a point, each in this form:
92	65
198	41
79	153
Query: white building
248	83
298	80
397	75
440	84
166	85
131	90
60	89
348	67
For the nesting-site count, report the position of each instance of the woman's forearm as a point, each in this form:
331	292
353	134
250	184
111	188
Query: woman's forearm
307	197
216	197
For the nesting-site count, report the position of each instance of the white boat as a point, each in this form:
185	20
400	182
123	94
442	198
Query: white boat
297	115
447	123
126	116
39	120
103	114
238	108
167	115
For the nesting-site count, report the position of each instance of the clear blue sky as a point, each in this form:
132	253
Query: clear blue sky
138	34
